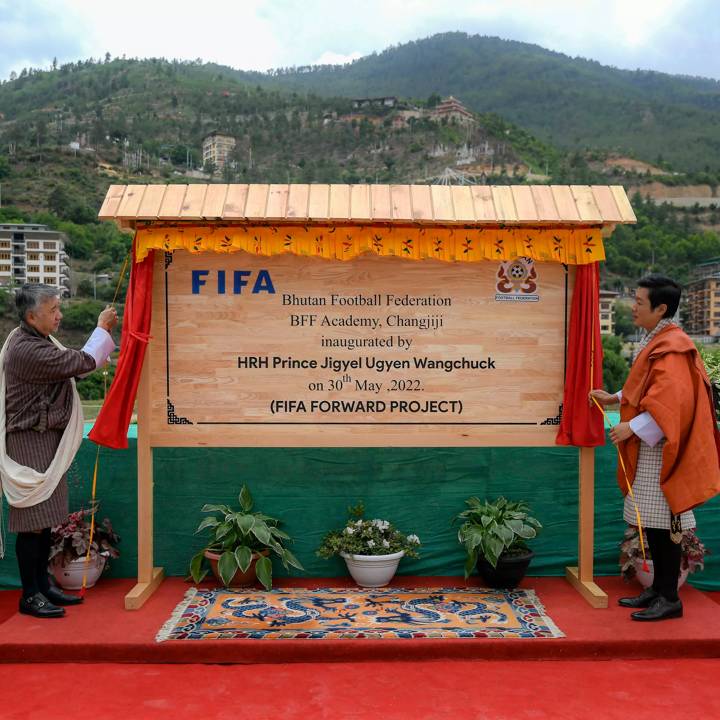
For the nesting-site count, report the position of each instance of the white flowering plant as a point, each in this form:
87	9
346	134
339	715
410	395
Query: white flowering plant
361	536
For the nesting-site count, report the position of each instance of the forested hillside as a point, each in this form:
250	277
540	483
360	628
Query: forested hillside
570	102
148	118
665	239
66	134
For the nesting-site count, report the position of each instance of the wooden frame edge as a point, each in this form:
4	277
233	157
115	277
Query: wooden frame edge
594	594
142	591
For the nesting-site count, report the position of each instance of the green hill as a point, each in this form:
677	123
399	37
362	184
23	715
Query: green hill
569	102
140	121
146	119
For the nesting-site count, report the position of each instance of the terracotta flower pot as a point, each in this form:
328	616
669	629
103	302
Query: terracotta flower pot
239	579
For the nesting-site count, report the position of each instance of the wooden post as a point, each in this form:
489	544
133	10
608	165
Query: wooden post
581	577
149	577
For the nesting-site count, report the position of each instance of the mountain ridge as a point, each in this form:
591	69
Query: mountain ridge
631	111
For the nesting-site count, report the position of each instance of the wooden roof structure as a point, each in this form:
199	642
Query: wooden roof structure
535	205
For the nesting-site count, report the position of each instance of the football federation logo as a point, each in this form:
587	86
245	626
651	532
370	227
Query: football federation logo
517	281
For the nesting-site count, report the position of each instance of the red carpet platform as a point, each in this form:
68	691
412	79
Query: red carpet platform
441	690
101	630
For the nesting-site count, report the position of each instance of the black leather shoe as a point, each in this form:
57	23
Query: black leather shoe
643	600
56	596
660	609
39	606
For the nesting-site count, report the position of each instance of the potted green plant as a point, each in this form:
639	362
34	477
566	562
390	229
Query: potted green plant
372	549
631	557
240	545
711	358
495	536
69	549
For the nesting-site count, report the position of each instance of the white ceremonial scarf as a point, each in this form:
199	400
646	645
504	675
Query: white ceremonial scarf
648	336
24	487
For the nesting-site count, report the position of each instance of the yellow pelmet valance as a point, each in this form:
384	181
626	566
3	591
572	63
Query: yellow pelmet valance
572	246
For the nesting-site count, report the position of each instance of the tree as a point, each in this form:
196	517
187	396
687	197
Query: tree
103	264
80	213
434	100
615	366
624	326
59	200
85	288
7	303
82	315
92	387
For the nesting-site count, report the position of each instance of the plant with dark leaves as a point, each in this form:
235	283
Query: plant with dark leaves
70	539
493	529
692	558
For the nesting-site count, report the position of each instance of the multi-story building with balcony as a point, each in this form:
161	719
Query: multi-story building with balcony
607	312
33	254
703	306
216	149
703	300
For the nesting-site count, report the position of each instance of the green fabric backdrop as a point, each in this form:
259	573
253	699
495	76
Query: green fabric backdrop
420	490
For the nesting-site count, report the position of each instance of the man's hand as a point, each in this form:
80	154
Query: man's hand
621	431
107	319
604	398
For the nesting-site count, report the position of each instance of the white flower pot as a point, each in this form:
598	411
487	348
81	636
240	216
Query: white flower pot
646	578
70	576
372	570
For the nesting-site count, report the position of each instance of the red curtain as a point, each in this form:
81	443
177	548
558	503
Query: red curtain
582	425
112	423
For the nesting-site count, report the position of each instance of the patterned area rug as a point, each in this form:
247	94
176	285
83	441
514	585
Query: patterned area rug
340	613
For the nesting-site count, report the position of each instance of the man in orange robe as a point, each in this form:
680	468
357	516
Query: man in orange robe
667	439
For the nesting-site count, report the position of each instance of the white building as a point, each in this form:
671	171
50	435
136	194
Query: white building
33	254
607	312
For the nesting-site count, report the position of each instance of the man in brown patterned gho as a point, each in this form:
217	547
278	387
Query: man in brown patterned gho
42	422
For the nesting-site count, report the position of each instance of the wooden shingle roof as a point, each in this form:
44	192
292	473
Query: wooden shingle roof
427	204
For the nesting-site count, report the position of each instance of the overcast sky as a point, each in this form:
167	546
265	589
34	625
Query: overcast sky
674	36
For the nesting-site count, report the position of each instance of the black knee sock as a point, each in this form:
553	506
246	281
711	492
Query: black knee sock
673	558
41	569
27	547
666	556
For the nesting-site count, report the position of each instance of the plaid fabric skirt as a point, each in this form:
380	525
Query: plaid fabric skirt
37	450
654	509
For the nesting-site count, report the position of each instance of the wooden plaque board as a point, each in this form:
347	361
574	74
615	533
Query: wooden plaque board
298	351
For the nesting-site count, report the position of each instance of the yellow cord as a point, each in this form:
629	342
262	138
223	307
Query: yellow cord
93	503
622	462
628	483
120	278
